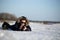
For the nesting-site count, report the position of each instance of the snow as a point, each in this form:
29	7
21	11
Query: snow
39	32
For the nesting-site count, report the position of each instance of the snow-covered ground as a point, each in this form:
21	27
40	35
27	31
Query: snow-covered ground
39	32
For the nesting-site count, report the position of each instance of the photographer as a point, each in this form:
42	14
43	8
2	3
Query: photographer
22	24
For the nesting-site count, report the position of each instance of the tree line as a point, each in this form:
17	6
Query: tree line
7	16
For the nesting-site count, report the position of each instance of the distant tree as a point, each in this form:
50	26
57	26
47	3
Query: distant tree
7	16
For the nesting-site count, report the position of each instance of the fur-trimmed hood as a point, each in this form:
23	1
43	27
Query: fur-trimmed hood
23	18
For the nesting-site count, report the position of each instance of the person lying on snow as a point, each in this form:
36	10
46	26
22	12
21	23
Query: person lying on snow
22	24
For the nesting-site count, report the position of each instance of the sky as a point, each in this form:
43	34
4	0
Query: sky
42	10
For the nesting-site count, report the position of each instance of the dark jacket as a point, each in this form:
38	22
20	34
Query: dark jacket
14	27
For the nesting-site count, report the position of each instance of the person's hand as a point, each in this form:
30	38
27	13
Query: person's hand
22	25
24	28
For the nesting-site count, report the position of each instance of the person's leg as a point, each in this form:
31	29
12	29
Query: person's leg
5	25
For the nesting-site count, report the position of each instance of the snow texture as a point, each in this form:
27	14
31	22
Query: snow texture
39	32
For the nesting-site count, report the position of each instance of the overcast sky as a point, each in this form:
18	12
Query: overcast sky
33	9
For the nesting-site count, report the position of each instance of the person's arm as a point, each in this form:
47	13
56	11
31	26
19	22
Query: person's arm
29	28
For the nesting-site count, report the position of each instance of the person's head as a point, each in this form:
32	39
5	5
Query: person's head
23	20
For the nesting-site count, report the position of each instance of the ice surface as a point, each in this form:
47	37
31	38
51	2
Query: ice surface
39	32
